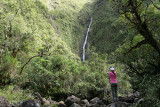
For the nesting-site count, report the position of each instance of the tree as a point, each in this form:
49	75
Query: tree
140	53
137	13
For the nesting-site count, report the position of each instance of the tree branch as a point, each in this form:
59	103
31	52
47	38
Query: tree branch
40	54
28	62
136	46
133	69
15	15
129	19
155	5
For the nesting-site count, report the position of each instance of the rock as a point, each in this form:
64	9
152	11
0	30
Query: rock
46	102
54	102
129	99
136	94
72	99
31	103
135	100
96	100
128	104
94	105
18	104
61	104
97	105
43	100
85	103
118	104
4	102
105	101
38	96
75	105
140	101
50	100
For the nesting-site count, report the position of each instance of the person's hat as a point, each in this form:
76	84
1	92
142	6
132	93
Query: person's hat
112	69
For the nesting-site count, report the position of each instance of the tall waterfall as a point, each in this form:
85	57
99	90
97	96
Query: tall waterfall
85	41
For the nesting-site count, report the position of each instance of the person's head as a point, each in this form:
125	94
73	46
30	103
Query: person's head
111	68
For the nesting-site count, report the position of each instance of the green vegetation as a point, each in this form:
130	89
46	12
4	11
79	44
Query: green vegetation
128	31
40	48
106	32
34	29
41	45
33	32
15	95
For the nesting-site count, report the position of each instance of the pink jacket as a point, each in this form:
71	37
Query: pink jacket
112	77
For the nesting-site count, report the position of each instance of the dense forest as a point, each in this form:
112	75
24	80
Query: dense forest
41	48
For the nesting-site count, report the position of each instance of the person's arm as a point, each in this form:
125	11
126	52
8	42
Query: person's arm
107	72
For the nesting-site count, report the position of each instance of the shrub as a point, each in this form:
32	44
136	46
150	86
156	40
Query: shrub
8	68
14	96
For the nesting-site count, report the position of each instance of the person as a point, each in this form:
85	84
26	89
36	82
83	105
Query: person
113	82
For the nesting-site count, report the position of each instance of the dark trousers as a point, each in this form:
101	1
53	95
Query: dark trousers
114	91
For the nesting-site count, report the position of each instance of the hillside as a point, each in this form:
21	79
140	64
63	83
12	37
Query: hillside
41	45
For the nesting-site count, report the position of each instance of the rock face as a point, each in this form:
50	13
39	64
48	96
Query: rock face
72	99
31	103
4	102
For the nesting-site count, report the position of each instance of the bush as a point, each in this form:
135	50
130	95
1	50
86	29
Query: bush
8	68
14	96
57	76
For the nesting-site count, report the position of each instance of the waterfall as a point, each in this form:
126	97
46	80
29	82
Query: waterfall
85	41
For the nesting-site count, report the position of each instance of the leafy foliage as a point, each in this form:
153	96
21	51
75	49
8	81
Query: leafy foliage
28	27
106	32
139	49
15	96
58	76
8	68
44	37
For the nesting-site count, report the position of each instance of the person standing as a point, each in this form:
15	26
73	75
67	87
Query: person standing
113	82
